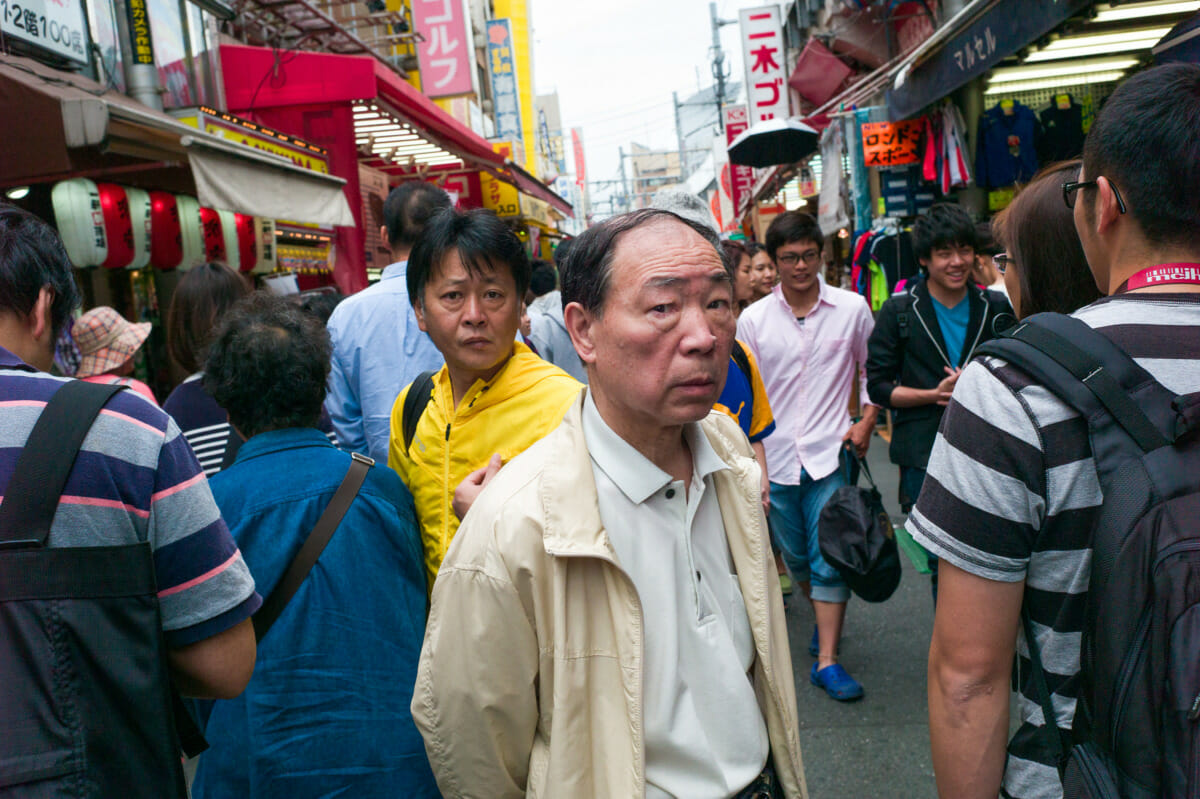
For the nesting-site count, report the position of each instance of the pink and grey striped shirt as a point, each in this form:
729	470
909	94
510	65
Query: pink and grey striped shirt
808	368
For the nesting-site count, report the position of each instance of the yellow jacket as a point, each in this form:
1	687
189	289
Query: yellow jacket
530	679
521	404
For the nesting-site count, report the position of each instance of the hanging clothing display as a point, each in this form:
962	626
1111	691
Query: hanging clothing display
944	159
831	204
1062	130
1007	148
883	258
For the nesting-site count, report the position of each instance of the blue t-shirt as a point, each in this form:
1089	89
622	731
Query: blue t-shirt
953	322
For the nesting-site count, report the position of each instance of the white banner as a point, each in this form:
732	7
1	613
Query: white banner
56	26
763	57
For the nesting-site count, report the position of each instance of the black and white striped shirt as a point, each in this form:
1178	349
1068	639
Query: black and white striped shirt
1012	494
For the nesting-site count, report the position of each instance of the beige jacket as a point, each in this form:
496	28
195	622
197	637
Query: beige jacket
530	679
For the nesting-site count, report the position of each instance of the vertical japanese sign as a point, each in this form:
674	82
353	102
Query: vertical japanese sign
56	26
139	31
741	182
580	166
762	54
502	71
445	57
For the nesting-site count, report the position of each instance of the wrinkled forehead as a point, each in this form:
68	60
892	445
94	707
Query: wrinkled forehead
661	245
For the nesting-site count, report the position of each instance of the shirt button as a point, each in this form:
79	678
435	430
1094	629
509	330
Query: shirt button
670	493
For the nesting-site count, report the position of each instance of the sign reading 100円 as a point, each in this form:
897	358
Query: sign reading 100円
56	26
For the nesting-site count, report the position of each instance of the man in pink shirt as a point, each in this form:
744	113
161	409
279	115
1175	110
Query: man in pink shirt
810	340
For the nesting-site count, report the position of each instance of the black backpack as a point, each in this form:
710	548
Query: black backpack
1136	732
86	705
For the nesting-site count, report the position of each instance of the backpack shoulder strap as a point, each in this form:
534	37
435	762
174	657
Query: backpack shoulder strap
1060	741
314	545
743	362
903	311
1090	373
415	400
46	461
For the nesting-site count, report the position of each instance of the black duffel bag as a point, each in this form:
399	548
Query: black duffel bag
857	539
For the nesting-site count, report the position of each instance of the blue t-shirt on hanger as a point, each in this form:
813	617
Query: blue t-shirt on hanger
1007	149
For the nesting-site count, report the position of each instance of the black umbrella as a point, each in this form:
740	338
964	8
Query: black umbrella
772	142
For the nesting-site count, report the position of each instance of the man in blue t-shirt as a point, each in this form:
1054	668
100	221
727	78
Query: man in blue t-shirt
923	337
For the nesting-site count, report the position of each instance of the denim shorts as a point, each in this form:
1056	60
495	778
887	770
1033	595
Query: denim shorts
795	510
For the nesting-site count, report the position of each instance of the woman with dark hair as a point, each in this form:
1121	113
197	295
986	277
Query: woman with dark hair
1044	266
202	297
762	270
737	261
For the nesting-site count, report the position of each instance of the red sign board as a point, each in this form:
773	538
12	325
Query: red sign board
892	143
742	177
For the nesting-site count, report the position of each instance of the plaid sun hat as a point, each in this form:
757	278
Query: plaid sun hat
105	340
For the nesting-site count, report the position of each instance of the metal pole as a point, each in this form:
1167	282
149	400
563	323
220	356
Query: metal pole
679	133
718	65
141	79
624	182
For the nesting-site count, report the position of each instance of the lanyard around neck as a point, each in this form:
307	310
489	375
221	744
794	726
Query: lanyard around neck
1162	275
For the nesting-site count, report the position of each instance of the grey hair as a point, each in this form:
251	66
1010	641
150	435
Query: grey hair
683	203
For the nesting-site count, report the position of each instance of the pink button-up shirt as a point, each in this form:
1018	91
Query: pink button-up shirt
808	370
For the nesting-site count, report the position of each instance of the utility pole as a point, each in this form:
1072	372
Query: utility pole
679	134
720	75
624	182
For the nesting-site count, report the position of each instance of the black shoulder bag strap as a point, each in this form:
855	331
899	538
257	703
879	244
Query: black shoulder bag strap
418	396
743	362
46	461
314	545
902	314
1060	742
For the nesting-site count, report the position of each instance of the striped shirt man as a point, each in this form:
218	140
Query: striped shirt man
136	479
1012	494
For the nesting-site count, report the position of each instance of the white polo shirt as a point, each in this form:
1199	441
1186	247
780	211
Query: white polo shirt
704	732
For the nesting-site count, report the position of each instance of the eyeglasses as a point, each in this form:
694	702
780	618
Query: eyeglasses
790	259
1002	262
1070	187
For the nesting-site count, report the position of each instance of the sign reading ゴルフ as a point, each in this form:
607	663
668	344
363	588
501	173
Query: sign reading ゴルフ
762	54
56	26
446	55
891	143
502	69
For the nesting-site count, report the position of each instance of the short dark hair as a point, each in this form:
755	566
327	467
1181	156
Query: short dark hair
268	365
560	252
732	252
542	278
1144	140
753	248
482	241
942	225
32	257
985	242
320	304
1039	230
791	227
201	298
408	209
587	272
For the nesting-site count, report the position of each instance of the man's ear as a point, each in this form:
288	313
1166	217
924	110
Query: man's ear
581	325
419	310
41	319
383	234
1107	209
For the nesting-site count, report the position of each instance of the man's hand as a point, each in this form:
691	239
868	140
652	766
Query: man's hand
946	387
859	434
760	455
472	484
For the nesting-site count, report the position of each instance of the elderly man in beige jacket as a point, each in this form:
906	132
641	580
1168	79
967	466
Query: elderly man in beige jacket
608	622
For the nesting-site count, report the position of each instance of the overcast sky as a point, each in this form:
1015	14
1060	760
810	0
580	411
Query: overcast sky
615	64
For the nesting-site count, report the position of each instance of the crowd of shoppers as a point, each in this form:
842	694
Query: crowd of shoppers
546	569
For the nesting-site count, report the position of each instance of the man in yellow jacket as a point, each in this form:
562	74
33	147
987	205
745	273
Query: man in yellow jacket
467	277
608	622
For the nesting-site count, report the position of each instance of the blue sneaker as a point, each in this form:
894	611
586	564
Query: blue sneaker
836	682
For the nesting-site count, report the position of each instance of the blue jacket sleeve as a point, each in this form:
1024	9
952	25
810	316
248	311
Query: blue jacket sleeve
343	404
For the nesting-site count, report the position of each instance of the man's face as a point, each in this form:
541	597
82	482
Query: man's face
472	318
949	265
762	270
798	262
660	349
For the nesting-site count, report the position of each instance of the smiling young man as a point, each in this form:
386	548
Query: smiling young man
810	341
608	622
467	278
924	336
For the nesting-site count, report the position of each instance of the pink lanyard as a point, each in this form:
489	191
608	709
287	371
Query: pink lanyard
1162	275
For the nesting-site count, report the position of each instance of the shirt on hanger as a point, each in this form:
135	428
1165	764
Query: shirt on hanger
1007	151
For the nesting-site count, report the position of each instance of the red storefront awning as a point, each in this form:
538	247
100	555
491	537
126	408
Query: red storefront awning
312	78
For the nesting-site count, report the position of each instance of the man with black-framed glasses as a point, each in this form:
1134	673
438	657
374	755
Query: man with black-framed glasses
810	341
1015	492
